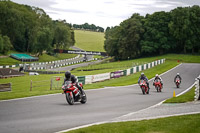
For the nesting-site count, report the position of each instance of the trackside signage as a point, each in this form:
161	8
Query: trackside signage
96	78
80	52
116	74
100	77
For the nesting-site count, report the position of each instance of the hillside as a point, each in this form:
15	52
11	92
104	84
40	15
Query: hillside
90	41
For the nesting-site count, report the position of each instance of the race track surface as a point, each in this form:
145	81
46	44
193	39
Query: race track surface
51	113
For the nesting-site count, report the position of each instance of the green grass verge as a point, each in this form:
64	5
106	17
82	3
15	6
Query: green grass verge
183	58
90	41
176	124
9	61
187	97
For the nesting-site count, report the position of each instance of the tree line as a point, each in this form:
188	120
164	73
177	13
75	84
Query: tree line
30	29
87	26
177	31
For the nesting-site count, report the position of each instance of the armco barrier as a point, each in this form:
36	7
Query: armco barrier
197	92
41	63
98	77
101	77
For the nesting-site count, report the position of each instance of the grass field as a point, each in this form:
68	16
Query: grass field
90	41
176	124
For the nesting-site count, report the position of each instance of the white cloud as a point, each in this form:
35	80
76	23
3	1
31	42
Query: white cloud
103	12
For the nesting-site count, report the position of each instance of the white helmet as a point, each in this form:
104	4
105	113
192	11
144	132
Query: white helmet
177	73
156	75
142	74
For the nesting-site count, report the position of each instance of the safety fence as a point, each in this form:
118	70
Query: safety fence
31	65
54	84
106	76
197	92
57	81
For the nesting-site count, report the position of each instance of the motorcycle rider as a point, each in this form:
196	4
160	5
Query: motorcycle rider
143	77
177	76
69	77
159	78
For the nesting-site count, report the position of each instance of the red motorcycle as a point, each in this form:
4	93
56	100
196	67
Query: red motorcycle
158	85
73	94
178	82
144	87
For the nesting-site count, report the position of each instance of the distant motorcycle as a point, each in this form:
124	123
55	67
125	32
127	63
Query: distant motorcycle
144	87
73	94
158	85
178	82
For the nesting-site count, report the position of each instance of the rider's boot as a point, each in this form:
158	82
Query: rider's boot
80	88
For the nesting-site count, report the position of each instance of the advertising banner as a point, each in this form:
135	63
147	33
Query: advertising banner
100	77
116	74
80	52
88	79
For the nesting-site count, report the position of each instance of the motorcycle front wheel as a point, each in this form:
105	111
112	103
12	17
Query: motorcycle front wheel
143	90
157	88
69	98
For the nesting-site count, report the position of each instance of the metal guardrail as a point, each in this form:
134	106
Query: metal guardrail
197	92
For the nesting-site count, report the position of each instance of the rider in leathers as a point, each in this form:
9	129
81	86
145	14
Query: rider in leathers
69	77
143	77
177	76
159	78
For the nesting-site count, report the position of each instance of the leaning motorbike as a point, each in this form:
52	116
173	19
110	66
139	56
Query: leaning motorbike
178	82
144	87
158	85
73	94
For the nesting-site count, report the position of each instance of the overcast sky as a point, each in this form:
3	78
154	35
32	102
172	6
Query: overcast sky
103	12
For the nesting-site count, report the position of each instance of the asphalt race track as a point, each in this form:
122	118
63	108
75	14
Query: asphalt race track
51	113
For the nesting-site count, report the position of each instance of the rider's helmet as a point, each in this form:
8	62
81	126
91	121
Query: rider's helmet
177	74
156	75
73	78
142	74
67	74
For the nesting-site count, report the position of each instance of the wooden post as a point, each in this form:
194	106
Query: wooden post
10	86
31	86
51	84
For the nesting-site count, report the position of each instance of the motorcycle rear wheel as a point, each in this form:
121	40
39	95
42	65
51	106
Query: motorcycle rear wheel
84	98
177	85
147	91
69	98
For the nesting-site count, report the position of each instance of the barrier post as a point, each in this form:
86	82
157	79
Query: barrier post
51	84
197	92
31	85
